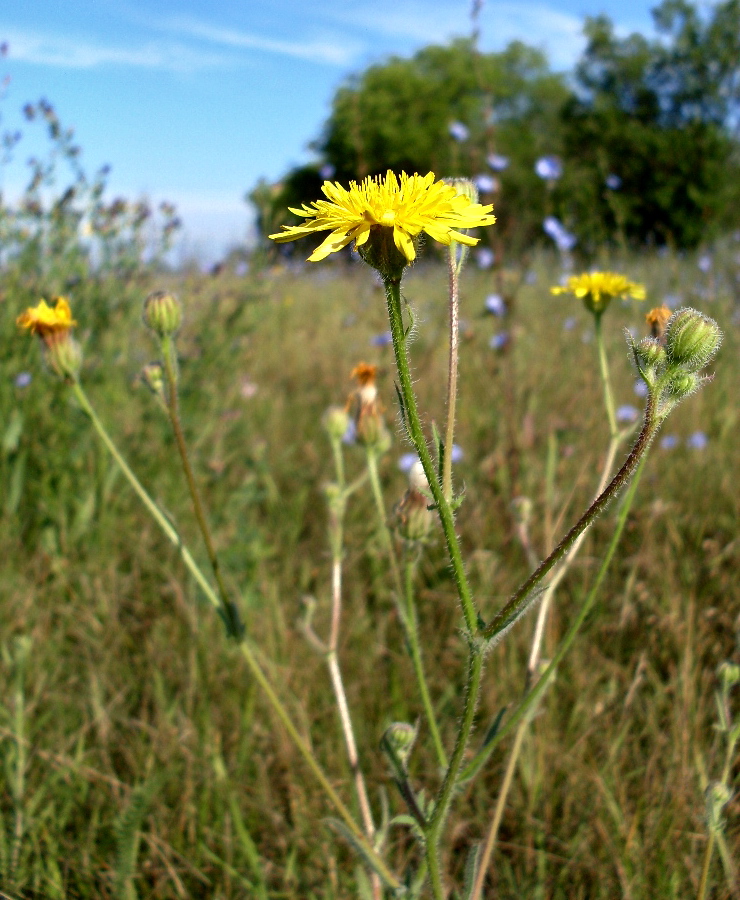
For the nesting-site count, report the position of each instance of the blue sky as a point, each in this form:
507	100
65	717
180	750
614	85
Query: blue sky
194	101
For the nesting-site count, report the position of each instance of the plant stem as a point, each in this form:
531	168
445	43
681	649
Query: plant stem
531	698
406	611
246	650
444	795
169	360
706	866
452	369
410	413
605	378
523	597
412	635
377	490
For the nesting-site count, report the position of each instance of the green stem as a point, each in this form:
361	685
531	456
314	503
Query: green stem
228	609
605	378
479	760
525	595
412	635
246	650
410	414
706	867
377	490
452	369
445	793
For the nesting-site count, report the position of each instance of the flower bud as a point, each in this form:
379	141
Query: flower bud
399	738
691	339
683	383
412	517
163	313
152	374
729	675
650	353
717	796
336	422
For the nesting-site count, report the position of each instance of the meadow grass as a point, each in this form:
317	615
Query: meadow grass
139	756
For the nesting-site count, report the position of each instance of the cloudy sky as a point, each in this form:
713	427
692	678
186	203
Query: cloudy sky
194	101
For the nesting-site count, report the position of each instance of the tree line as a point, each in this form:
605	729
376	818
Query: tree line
638	145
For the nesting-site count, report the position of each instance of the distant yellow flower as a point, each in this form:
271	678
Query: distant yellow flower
45	321
597	289
415	204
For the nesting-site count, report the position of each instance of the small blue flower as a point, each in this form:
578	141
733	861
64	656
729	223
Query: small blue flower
459	131
241	268
555	229
570	323
697	441
457	453
495	305
22	379
350	435
613	182
627	413
485	258
381	340
704	263
498	162
485	183
671	301
640	388
499	341
406	461
549	167
669	441
327	171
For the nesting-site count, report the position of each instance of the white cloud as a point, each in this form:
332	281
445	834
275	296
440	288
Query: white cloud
329	51
71	53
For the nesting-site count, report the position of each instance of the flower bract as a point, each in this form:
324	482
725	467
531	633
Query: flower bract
597	289
45	320
407	206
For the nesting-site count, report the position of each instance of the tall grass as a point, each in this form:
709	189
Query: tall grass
126	714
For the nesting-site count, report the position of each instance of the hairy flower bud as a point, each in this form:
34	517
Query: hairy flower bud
650	353
336	422
163	313
691	339
399	739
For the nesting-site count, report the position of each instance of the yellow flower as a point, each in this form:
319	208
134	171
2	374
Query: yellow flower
45	321
597	289
415	204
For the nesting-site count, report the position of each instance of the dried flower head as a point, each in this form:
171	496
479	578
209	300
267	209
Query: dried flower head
401	207
657	319
598	289
366	409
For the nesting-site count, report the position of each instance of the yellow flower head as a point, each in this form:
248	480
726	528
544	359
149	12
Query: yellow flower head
45	321
597	289
407	207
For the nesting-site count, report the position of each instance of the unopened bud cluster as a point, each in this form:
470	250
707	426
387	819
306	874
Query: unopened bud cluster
670	365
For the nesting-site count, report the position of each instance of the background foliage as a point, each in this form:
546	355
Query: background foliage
659	114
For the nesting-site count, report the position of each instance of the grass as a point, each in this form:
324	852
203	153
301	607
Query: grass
140	760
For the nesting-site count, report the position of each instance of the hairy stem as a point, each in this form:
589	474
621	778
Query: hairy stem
410	413
525	595
605	378
452	369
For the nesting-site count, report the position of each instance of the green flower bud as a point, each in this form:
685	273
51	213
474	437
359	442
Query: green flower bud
729	675
152	375
163	313
399	738
717	796
682	384
691	339
650	353
336	422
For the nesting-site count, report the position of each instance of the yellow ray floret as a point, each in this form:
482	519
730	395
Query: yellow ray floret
45	320
409	206
598	288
